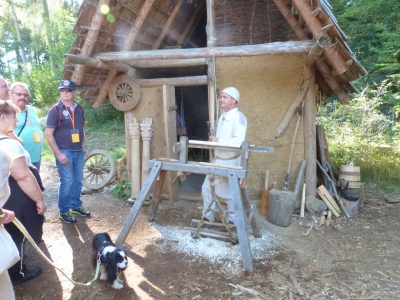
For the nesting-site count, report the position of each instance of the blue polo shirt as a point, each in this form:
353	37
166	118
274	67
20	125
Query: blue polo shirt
59	118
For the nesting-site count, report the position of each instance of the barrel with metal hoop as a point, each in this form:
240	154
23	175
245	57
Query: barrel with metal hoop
350	181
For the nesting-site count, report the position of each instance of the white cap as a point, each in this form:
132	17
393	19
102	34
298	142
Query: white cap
233	92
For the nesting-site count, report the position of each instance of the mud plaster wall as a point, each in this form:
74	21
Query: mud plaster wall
268	85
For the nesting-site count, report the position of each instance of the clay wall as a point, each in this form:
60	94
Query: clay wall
268	85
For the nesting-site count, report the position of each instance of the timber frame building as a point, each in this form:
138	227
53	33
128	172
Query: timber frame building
153	57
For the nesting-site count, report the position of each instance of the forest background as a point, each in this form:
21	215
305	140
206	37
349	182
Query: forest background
35	35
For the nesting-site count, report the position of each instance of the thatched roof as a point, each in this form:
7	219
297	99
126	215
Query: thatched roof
148	25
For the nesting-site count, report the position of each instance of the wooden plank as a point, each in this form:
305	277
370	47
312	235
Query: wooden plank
328	199
133	213
227	51
170	135
244	243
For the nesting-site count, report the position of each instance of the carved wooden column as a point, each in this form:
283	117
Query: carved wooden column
134	135
146	130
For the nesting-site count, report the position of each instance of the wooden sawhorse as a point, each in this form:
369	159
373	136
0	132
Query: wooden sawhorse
159	169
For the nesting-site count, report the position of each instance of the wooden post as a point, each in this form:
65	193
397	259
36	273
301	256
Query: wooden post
134	133
211	38
169	112
310	146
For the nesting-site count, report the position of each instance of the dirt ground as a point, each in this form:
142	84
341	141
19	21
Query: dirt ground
352	259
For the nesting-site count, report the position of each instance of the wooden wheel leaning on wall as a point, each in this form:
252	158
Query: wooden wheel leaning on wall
124	93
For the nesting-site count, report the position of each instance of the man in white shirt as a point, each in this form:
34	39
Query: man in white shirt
231	130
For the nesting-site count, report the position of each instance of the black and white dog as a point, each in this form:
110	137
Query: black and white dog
112	259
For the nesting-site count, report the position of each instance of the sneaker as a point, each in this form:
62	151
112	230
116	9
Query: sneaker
80	211
68	218
26	275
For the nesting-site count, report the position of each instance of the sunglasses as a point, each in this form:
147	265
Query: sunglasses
21	94
65	91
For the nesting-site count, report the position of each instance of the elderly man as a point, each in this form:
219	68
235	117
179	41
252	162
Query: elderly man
231	130
28	124
4	90
65	135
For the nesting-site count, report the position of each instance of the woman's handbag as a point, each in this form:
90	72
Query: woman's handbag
8	251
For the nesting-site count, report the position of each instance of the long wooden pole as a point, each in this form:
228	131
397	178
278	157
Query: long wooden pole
244	50
128	66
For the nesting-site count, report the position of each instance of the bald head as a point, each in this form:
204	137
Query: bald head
4	90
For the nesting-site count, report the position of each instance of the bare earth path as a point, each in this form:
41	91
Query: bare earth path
356	259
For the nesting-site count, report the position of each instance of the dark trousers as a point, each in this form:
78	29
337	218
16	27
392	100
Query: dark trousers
25	211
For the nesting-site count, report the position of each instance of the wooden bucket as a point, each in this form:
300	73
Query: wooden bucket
350	181
281	206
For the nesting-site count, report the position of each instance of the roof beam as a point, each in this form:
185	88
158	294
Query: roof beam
316	28
90	40
231	51
130	39
167	25
192	23
320	63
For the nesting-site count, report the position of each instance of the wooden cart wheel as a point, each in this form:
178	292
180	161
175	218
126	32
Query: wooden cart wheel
124	93
99	169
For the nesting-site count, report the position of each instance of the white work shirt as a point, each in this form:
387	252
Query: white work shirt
231	130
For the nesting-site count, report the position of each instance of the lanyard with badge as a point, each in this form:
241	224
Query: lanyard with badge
74	131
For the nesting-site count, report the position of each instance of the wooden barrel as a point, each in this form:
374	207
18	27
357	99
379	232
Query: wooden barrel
350	181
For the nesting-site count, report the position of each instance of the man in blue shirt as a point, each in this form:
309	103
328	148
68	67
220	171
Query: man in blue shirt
28	124
65	135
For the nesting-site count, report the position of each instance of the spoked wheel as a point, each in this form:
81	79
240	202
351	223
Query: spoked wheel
99	169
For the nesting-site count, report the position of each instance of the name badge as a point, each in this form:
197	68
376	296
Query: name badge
75	135
36	137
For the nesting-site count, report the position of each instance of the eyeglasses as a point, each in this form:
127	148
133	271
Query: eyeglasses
65	91
21	94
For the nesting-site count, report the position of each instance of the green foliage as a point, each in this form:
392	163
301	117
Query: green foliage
122	190
361	133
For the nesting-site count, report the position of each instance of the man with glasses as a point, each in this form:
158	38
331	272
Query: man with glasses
28	124
65	135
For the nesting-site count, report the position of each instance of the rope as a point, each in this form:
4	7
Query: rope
22	228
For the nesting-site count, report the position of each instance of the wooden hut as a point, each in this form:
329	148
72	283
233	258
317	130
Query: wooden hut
153	57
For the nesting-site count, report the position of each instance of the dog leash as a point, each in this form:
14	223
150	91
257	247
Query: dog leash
22	228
